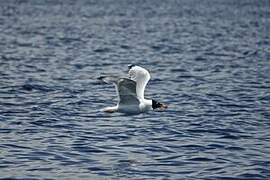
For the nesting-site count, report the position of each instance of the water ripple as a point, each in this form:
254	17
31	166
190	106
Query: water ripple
209	62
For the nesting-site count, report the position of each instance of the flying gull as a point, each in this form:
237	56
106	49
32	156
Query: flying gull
130	92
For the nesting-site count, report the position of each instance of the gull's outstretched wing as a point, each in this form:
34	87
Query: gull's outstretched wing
127	92
141	76
125	88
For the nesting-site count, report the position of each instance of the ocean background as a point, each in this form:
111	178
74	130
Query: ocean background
209	61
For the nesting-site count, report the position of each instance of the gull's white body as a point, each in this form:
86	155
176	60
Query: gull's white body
131	92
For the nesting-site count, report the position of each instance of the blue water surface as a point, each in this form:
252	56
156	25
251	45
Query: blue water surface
209	61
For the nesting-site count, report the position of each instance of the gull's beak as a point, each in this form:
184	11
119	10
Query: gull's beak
163	106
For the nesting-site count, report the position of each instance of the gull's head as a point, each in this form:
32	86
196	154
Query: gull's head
158	105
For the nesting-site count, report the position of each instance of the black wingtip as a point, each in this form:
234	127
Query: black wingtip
100	77
130	66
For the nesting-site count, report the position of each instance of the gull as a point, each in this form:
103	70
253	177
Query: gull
130	92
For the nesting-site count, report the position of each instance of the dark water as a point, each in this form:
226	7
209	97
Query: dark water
209	60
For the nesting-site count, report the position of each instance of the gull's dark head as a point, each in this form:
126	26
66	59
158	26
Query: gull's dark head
158	105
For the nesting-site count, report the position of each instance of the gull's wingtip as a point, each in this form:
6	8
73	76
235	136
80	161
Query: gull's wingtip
103	79
100	77
130	66
108	79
